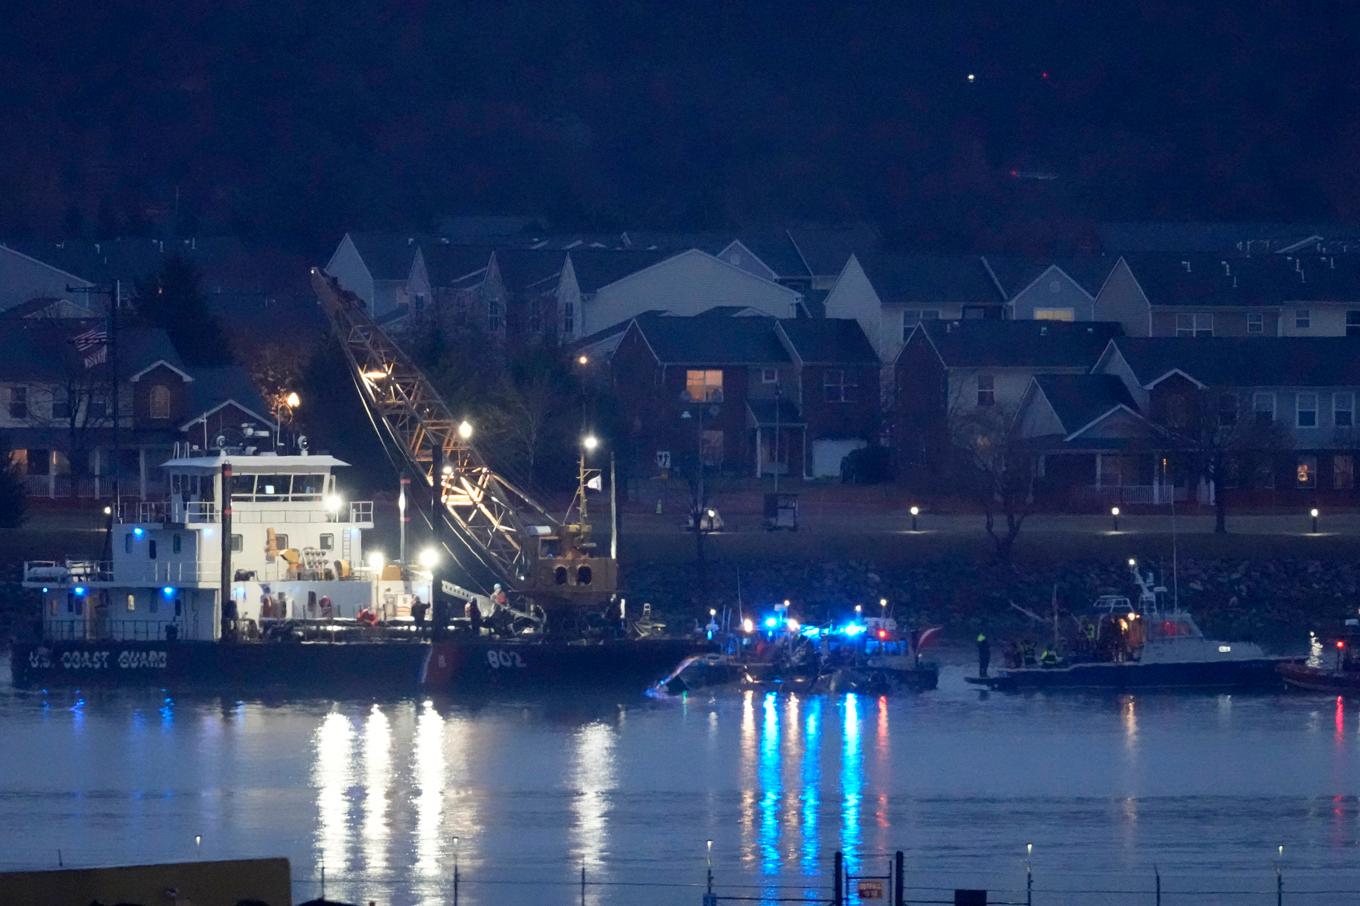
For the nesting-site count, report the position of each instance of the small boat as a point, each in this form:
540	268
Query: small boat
1339	675
1152	644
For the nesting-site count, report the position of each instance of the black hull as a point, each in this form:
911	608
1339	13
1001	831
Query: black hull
390	667
1259	673
1314	679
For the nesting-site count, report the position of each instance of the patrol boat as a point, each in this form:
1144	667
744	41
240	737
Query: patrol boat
1150	644
305	604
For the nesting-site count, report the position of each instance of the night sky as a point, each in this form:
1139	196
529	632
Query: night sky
292	122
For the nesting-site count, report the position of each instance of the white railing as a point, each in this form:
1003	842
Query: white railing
151	512
77	572
1151	494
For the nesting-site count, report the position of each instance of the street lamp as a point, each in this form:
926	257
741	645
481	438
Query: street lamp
915	511
291	401
1314	513
583	360
1114	514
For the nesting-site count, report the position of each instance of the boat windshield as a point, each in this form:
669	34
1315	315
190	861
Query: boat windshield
1173	626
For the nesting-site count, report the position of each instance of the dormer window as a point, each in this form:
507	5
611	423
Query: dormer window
158	402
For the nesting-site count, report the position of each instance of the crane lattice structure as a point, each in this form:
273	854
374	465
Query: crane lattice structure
530	551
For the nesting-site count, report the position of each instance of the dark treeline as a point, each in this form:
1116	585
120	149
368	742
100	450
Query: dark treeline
293	122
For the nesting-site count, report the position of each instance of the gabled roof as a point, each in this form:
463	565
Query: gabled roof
828	341
388	256
1018	344
700	341
777	252
595	268
1014	273
522	268
1080	399
1256	281
223	262
1211	237
39	350
446	264
213	387
916	278
1244	361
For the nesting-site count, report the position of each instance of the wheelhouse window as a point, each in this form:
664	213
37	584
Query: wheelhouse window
1195	324
327	541
1343	410
837	386
1305	412
986	390
704	384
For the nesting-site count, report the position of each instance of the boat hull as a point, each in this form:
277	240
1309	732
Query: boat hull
1254	673
446	665
1315	679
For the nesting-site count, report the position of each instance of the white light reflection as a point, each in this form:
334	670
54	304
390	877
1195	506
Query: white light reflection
377	782
594	775
429	771
332	774
811	783
852	783
747	755
769	788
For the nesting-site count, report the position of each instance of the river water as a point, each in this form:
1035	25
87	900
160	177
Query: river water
1202	787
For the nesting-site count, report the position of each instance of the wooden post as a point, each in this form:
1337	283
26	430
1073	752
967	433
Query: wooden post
900	880
838	889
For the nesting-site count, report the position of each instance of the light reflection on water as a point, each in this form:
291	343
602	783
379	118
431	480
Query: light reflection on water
1203	786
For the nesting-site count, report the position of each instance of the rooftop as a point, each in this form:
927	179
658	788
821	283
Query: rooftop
1246	361
1018	344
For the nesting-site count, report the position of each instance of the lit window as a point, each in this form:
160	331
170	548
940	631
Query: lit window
1303	319
986	390
1055	314
1305	471
1343	472
1305	415
1343	410
1263	404
1197	324
1256	324
704	384
131	603
158	405
837	387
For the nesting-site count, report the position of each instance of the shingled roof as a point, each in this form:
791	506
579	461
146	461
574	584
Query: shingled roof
42	350
914	278
1244	361
595	268
828	341
701	341
1079	399
1015	273
388	256
1018	344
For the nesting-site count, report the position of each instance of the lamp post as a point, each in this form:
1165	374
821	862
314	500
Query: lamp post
915	511
291	401
1314	514
1114	515
588	445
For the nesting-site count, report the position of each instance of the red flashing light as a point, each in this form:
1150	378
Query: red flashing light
1044	74
1341	643
883	634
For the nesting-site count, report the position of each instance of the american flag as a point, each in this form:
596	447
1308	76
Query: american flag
93	346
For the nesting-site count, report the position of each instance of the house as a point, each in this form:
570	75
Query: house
1219	238
1049	289
1166	295
41	288
56	406
770	256
376	267
955	369
889	294
612	289
766	396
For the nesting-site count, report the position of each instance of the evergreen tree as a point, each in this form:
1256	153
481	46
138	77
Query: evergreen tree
172	300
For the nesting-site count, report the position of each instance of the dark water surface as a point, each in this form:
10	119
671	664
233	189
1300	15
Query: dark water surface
1204	787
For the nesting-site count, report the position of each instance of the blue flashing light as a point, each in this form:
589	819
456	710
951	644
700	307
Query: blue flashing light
854	629
80	591
168	591
771	622
812	631
44	589
139	531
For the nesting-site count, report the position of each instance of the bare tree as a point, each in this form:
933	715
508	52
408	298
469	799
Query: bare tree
80	395
1218	434
993	465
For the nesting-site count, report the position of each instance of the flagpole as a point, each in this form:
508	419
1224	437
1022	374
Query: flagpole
113	379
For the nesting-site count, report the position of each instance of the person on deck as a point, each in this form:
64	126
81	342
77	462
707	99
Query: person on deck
984	654
474	615
418	608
